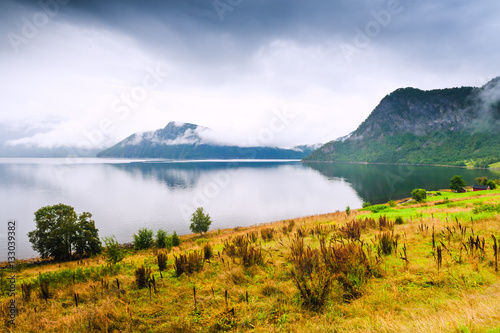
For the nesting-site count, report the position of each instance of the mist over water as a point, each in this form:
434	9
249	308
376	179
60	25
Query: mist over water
126	195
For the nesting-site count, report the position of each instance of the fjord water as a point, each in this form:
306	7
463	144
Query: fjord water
126	195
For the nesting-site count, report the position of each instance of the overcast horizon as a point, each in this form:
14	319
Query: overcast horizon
90	73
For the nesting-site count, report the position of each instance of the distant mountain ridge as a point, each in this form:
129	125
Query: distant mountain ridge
184	141
442	126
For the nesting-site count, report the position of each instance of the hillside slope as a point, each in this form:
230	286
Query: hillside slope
445	126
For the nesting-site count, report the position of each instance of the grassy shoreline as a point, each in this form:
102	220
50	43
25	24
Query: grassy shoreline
404	290
495	166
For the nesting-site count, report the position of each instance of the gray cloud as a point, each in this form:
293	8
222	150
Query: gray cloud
228	74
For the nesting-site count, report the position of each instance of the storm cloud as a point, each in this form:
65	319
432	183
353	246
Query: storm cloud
98	71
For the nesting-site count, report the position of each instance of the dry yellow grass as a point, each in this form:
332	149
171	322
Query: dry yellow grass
464	296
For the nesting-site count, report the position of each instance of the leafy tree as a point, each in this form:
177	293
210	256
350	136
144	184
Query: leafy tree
419	194
143	239
200	221
457	183
175	240
60	231
161	238
87	236
481	180
487	182
112	250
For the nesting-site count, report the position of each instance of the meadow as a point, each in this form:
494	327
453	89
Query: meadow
398	267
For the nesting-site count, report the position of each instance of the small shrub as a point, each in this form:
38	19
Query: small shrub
44	292
239	241
208	252
176	241
143	239
162	261
112	250
162	239
142	276
378	208
314	271
267	234
486	208
399	220
352	230
230	248
288	227
188	263
366	204
392	203
311	275
26	291
251	256
239	247
419	194
269	288
384	223
252	236
349	263
348	210
200	241
385	243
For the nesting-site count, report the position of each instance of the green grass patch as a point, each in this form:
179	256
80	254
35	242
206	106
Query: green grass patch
495	165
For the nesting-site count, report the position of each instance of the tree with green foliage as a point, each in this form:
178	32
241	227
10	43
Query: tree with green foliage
161	239
457	183
60	232
143	239
486	182
87	237
176	241
112	250
419	194
200	222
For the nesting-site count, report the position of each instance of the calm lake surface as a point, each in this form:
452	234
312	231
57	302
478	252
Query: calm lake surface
126	195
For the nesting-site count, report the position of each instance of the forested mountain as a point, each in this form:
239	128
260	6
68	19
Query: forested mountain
444	126
185	141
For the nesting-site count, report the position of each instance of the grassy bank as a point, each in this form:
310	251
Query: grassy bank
426	267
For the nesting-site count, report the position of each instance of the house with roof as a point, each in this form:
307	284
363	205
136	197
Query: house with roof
480	188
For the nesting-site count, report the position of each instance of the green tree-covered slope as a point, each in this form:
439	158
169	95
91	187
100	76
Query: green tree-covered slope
446	126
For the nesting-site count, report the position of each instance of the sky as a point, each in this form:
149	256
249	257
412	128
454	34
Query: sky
271	72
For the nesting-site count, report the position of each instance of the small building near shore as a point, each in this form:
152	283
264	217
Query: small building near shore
480	188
